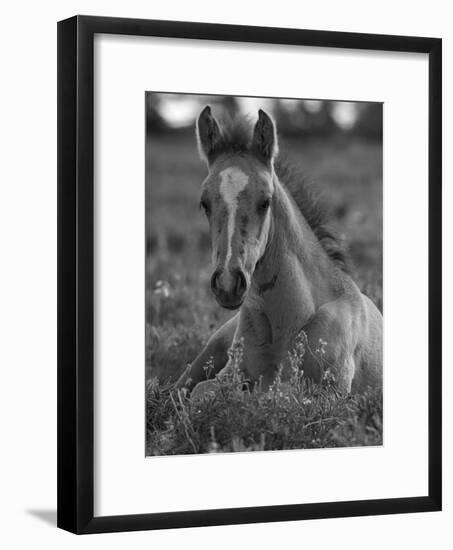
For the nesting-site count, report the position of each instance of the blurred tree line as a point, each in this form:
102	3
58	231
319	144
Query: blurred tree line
295	118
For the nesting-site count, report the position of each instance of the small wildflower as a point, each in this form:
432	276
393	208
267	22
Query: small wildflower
296	358
235	355
328	377
162	288
208	367
321	349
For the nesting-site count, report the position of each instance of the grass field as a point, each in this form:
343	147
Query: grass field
181	313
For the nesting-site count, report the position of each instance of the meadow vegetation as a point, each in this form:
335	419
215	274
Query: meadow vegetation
181	312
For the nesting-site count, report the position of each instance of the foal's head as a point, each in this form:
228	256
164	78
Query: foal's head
237	199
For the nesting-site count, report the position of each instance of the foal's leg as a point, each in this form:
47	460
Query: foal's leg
215	350
208	386
330	345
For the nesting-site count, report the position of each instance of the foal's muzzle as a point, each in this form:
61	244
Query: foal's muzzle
229	287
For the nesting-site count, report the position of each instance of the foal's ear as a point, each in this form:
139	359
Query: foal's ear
264	141
209	135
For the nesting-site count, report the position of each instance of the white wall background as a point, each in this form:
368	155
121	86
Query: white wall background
28	272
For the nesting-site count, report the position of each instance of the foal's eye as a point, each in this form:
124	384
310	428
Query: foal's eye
264	205
205	206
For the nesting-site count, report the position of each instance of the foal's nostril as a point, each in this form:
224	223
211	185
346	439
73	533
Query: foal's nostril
214	280
240	284
229	286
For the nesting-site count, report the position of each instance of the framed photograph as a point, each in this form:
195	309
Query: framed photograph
249	277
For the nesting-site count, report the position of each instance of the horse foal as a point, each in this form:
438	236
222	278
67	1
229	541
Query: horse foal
276	262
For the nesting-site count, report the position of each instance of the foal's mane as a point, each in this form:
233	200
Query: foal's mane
236	139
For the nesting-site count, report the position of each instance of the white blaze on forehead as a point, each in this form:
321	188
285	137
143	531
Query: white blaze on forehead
233	181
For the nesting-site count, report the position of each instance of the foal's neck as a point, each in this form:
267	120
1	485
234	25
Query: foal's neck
295	272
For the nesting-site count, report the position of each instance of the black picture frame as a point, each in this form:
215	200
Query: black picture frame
76	261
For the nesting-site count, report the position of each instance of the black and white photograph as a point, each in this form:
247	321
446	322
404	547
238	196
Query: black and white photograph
226	275
264	292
